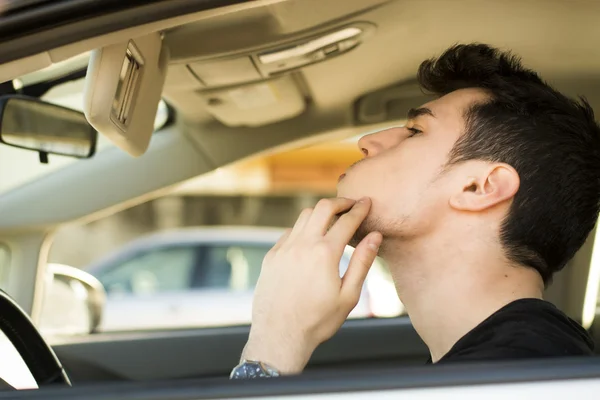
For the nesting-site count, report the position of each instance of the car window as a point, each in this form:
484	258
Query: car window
385	303
162	270
233	216
235	267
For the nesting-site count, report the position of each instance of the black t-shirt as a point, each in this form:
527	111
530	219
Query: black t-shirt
526	328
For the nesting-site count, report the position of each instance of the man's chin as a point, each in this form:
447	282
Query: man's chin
345	190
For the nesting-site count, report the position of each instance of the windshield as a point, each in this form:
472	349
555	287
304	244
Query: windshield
14	5
18	166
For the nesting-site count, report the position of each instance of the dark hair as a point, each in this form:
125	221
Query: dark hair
552	141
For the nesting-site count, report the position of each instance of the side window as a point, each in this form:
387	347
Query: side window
383	296
162	270
379	288
233	267
233	216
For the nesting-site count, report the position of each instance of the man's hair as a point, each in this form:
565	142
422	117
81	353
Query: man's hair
552	141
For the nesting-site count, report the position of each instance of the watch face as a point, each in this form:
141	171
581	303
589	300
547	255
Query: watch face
253	369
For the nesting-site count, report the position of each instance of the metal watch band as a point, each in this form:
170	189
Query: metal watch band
247	369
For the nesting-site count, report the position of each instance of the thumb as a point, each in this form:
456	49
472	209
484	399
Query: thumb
358	268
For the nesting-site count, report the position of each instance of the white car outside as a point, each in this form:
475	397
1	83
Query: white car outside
205	277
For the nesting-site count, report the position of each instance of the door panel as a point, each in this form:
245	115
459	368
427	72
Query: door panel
522	379
211	352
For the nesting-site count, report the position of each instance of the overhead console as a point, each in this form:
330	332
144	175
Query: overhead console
313	50
390	103
123	87
258	87
281	58
257	103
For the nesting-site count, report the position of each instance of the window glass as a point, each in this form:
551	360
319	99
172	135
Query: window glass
386	302
235	267
163	270
204	243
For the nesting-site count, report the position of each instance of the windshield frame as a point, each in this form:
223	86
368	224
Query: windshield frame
27	31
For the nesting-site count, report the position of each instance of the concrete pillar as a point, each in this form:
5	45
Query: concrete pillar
168	212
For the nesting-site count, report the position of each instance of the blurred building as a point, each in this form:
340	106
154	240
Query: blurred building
266	191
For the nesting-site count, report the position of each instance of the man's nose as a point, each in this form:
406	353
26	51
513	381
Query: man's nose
374	143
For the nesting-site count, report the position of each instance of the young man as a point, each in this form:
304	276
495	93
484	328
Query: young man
475	203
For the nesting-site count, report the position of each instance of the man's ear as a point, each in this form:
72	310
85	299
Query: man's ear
493	185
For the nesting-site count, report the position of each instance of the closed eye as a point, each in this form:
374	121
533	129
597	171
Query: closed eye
414	131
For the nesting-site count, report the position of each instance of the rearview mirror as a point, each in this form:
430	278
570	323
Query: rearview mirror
29	123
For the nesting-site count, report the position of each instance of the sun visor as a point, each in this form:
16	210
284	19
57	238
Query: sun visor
123	87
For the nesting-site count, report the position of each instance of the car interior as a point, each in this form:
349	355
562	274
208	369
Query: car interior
241	79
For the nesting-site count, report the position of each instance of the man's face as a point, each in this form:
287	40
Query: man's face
401	169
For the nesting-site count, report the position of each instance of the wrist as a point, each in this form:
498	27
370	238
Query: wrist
289	356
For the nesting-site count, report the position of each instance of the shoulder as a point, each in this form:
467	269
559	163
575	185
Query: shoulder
527	328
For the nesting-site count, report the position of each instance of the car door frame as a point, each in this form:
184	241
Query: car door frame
518	379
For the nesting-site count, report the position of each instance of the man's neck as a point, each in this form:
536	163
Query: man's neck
449	289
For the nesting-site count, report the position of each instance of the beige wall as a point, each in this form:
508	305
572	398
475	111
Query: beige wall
79	245
276	188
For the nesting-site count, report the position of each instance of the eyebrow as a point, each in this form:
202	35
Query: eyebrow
417	112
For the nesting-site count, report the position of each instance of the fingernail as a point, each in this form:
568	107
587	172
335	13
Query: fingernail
375	242
362	199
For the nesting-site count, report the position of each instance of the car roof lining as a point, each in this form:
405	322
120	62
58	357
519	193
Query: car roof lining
570	64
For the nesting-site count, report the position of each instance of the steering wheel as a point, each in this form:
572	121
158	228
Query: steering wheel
39	357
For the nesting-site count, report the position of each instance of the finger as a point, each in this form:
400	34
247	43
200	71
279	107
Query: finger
345	227
301	222
282	239
358	268
325	211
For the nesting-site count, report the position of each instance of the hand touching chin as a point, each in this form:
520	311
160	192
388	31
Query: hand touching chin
300	300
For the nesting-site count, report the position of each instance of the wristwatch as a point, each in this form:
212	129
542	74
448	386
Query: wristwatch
248	369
